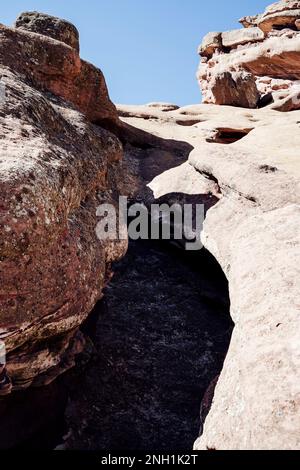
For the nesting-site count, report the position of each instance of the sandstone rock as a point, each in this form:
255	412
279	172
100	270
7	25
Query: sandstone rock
257	183
53	66
183	179
5	382
46	25
210	44
249	21
276	57
288	102
271	53
242	36
235	89
256	403
279	15
55	170
297	24
242	164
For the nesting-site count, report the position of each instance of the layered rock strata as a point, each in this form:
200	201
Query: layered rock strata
265	56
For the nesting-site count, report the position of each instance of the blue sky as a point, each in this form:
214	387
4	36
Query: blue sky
147	49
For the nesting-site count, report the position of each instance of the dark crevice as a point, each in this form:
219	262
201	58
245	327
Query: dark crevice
211	177
288	25
161	333
188	123
268	169
228	136
265	100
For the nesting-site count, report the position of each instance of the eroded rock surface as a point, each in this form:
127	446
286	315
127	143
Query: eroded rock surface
248	162
58	164
46	25
268	50
55	66
55	170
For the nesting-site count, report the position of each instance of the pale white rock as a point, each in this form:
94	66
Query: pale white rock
242	36
253	230
210	43
268	46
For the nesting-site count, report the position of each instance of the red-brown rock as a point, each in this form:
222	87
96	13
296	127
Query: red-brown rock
56	67
47	25
55	170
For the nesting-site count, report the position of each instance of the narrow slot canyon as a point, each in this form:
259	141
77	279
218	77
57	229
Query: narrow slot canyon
162	333
127	342
160	336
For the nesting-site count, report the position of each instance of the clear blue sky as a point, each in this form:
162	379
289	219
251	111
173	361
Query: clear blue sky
147	49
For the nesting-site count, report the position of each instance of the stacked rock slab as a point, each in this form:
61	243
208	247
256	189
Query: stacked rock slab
55	168
265	56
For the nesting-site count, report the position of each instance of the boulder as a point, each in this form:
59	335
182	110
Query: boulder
249	21
288	102
235	89
55	67
56	168
47	25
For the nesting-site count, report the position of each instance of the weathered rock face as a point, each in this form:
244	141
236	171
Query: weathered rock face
55	169
268	49
54	66
248	162
279	15
237	88
50	26
58	164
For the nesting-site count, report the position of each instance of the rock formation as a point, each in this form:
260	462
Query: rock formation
255	66
55	169
247	163
241	162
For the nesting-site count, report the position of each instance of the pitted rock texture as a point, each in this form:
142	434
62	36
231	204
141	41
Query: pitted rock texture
248	162
268	49
55	170
47	25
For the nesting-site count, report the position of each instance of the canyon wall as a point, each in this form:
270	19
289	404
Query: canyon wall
244	167
55	170
240	159
247	162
